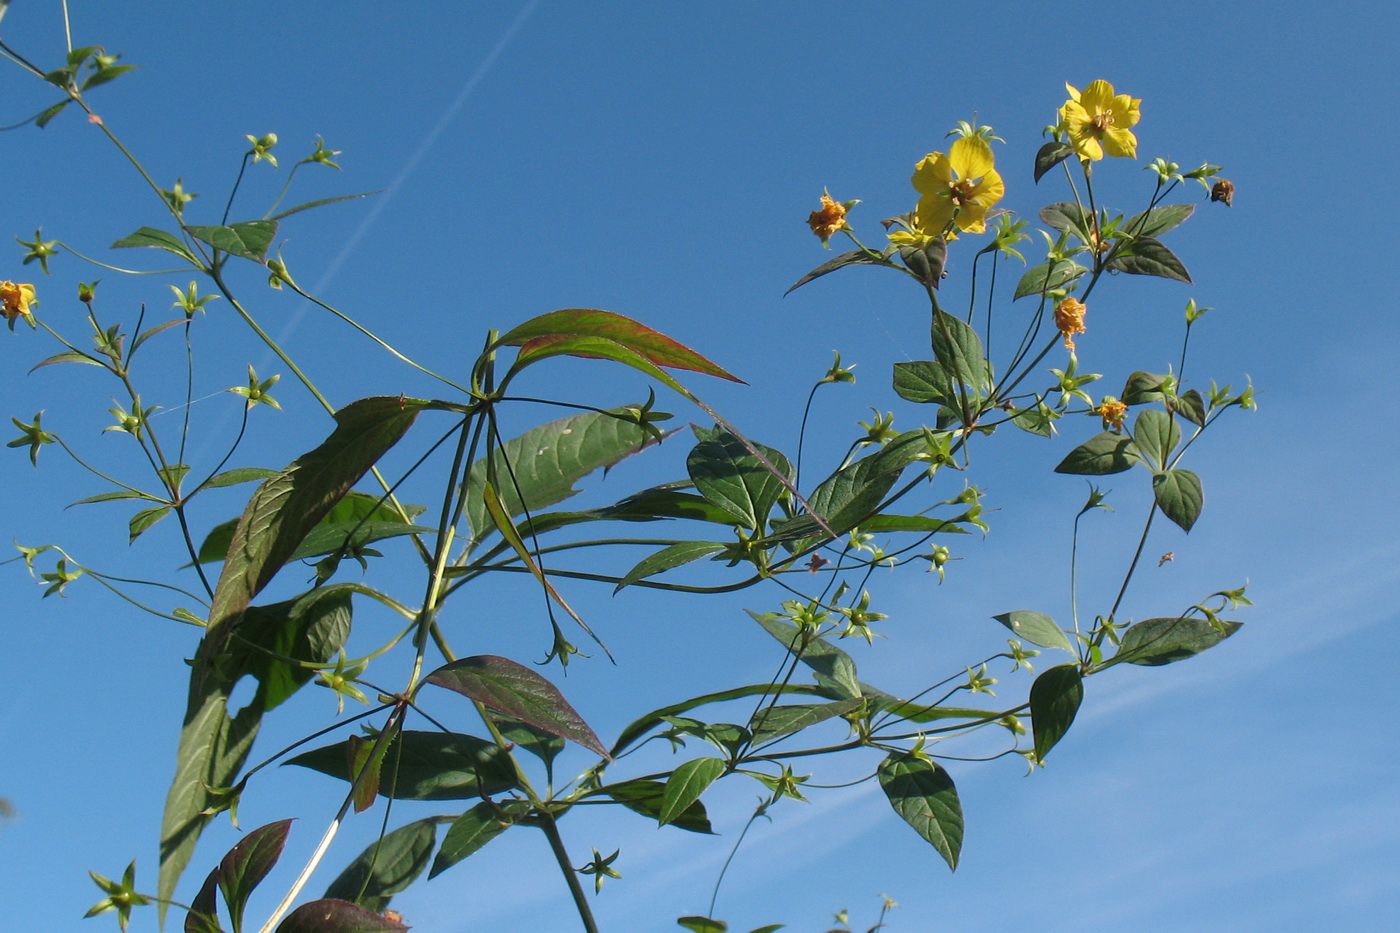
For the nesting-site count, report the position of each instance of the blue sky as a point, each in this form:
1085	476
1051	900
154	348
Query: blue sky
659	160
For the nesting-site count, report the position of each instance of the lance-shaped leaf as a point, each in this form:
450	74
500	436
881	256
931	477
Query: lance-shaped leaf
726	473
856	257
328	916
248	863
651	720
1179	495
386	866
213	744
539	468
473	829
652	346
1101	454
958	350
924	381
505	686
1158	220
1149	256
1046	276
1153	642
1067	217
318	203
833	667
923	795
425	766
355	521
158	239
853	493
645	797
1050	155
686	784
1156	434
777	721
249	239
1055	698
1036	628
670	557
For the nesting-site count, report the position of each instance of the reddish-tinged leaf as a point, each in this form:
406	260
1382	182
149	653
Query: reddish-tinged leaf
503	685
331	916
652	345
248	863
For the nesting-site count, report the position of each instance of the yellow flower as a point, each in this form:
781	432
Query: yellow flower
1069	319
957	188
16	299
1112	412
1098	120
828	221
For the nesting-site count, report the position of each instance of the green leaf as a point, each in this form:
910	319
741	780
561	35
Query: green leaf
317	203
1158	220
652	346
213	744
1148	256
249	239
1099	455
513	689
923	795
1036	628
1055	698
924	381
920	712
686	784
540	467
68	356
645	724
328	916
856	257
1178	493
355	521
311	627
145	519
248	863
473	829
1142	388
1153	642
1067	217
645	797
543	745
1192	407
430	766
1155	436
834	667
1046	276
118	494
703	924
1038	420
1050	155
149	236
727	474
387	866
239	475
853	494
926	263
958	350
670	557
774	722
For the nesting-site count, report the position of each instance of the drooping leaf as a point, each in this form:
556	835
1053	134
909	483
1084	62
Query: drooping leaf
213	744
159	239
355	521
1142	388
1036	628
686	784
328	916
386	866
652	346
668	558
319	202
1055	698
726	473
1155	436
249	238
775	722
1149	256
1153	642
1067	217
248	863
856	257
67	356
833	667
116	495
503	685
645	797
1050	155
1047	276
1179	495
922	793
144	519
540	467
702	924
1099	455
473	829
926	262
1192	407
426	766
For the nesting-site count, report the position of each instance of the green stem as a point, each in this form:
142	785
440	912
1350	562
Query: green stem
561	855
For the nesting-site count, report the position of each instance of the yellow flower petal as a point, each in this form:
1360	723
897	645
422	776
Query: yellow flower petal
932	174
971	157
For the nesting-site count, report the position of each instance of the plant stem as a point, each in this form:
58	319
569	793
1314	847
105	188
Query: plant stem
561	855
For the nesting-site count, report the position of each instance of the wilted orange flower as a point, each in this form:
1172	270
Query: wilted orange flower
828	221
1069	319
15	299
1112	412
